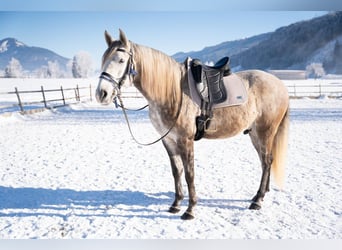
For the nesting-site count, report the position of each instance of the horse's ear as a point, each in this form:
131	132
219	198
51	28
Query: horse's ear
123	38
108	38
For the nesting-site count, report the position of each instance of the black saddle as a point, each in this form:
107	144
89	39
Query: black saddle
209	79
209	83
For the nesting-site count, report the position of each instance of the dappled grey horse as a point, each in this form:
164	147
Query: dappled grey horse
164	83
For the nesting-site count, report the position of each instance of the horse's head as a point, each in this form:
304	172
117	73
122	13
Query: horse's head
116	67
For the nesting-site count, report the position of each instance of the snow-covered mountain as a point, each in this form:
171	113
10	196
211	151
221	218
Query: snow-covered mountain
30	58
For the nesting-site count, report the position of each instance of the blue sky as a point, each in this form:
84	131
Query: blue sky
68	32
70	26
174	5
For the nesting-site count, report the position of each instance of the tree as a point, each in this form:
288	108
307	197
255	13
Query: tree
82	65
53	70
13	69
41	72
315	70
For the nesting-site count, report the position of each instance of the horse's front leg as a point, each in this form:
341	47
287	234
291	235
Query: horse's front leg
187	154
182	157
177	170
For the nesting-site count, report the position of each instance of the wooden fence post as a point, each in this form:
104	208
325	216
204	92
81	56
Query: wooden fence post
19	101
63	95
91	98
78	93
43	96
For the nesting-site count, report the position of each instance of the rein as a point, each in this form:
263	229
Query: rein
159	139
117	87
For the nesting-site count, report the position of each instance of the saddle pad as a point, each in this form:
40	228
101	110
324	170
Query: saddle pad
236	90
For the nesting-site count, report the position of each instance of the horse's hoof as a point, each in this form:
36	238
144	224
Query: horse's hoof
187	216
174	210
255	206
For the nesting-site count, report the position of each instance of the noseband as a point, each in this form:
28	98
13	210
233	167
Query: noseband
129	72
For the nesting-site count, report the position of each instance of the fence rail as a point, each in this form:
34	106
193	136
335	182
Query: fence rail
47	98
314	90
25	101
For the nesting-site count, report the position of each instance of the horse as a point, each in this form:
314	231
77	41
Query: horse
163	82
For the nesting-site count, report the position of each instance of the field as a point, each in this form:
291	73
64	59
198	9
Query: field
75	172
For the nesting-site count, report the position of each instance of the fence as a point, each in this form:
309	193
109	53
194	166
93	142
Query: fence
34	100
332	90
46	98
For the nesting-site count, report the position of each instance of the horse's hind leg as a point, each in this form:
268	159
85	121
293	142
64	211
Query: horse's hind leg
177	170
263	144
264	183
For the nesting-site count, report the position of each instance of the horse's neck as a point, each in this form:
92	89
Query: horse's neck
159	76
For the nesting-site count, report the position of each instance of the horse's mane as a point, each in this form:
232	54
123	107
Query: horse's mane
160	75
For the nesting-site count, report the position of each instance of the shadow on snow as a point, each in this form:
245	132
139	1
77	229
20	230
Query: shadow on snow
22	202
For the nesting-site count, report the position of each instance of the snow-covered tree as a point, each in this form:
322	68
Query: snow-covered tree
13	69
315	70
41	72
82	65
53	70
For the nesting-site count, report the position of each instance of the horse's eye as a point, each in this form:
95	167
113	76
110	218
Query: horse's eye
121	60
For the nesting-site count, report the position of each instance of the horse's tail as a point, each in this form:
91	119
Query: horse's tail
279	150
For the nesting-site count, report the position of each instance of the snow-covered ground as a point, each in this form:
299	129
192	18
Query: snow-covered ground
75	172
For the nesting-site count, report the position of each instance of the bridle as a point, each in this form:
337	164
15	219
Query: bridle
130	71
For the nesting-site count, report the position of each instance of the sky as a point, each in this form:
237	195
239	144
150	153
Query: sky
77	26
68	32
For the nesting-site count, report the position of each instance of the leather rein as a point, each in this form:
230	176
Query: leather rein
117	87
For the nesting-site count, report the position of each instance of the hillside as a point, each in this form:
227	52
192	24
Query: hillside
214	53
295	46
30	58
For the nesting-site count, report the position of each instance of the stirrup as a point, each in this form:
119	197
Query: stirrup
202	123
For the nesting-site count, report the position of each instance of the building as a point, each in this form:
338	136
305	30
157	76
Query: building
289	74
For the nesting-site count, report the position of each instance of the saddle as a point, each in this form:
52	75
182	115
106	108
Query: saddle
209	80
210	86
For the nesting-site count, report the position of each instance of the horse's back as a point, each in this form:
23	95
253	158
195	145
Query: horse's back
264	85
260	78
268	92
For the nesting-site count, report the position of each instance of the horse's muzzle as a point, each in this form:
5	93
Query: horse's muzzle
104	97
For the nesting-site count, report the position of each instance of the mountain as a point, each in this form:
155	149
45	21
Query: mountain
214	53
318	40
30	58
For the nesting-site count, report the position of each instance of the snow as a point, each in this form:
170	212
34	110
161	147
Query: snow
75	172
6	43
19	44
3	46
